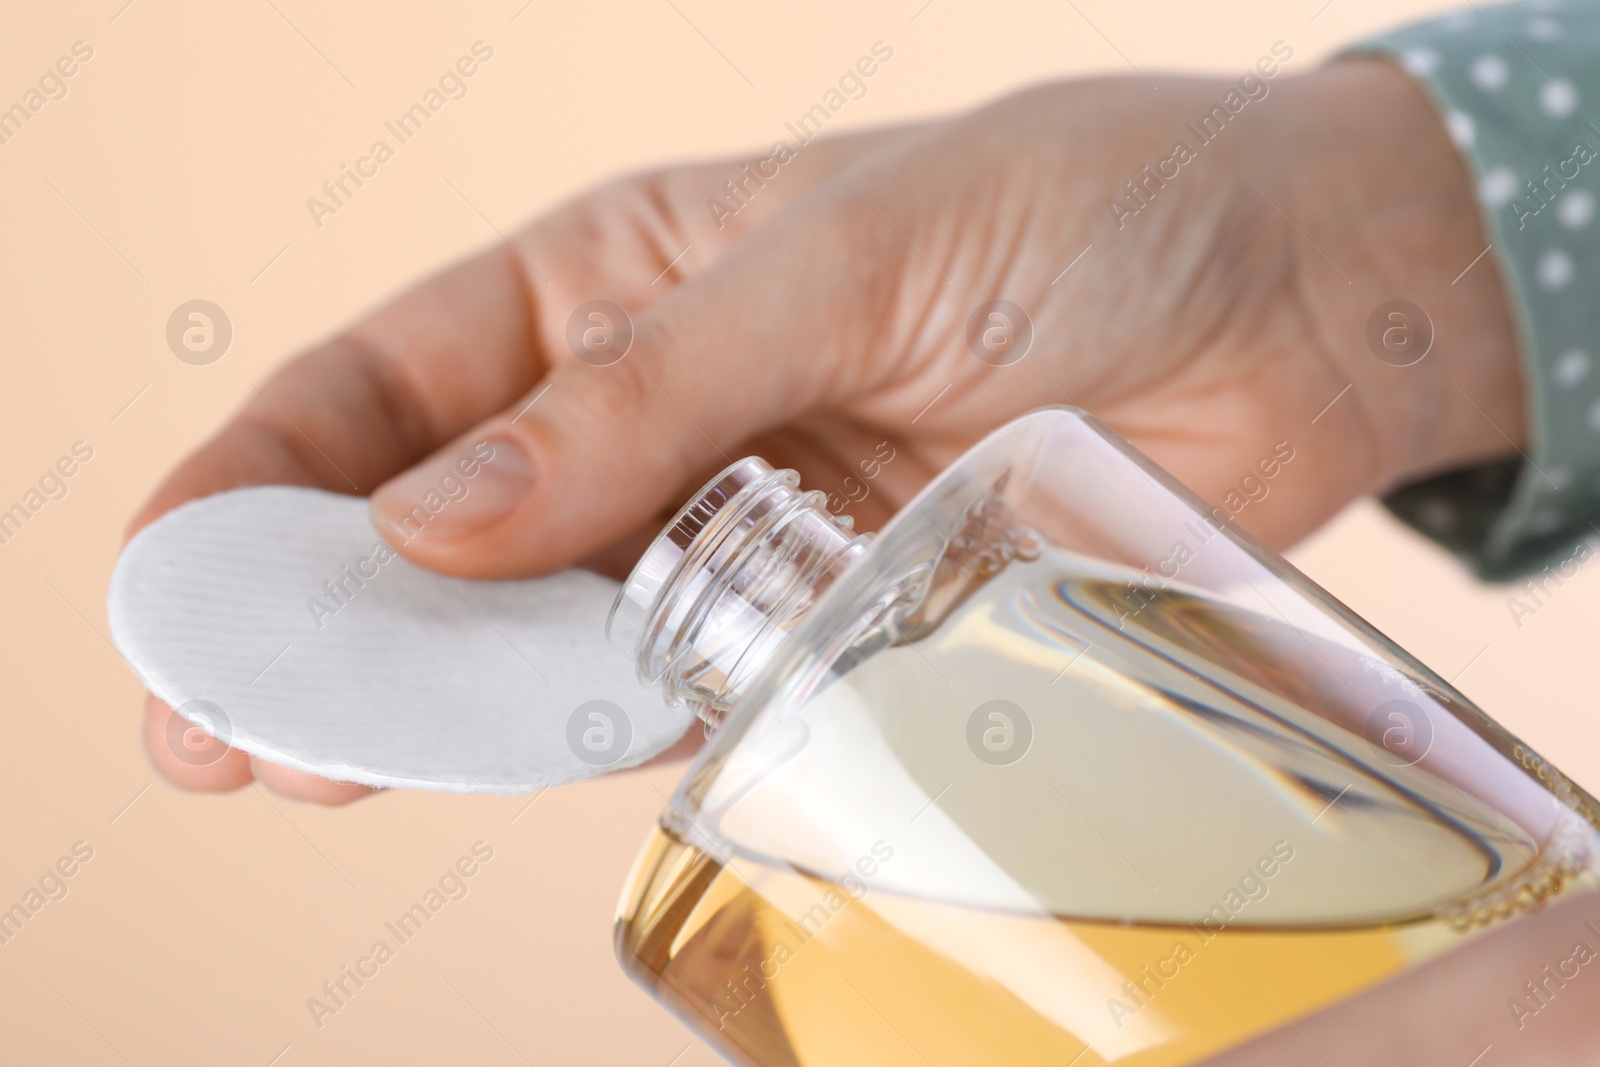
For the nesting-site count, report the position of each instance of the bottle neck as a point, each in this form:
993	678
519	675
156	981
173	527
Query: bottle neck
725	583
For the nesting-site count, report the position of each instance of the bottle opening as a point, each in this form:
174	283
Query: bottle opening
726	581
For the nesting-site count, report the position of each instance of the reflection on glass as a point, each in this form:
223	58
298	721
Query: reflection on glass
1002	787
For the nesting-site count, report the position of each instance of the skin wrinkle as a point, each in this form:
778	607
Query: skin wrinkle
1366	445
270	422
985	200
580	226
1431	403
880	336
871	242
1233	239
640	390
1319	328
1411	434
916	323
1014	274
1126	378
659	218
1177	257
841	197
519	261
396	393
1323	349
933	333
274	437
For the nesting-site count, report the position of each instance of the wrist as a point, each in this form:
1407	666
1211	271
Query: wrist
1387	198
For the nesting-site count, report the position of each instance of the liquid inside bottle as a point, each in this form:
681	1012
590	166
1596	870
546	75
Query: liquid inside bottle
1042	810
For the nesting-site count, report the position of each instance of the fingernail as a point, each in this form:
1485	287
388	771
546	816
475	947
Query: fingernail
453	494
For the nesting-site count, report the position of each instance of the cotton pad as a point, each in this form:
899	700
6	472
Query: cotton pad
278	619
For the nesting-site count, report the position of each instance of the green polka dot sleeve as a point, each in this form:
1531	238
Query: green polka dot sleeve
1519	88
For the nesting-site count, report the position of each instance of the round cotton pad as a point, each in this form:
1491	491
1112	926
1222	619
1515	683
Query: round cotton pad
278	619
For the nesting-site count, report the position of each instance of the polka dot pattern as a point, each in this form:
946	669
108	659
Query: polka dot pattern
1542	29
1420	61
1555	269
1571	368
1490	73
1518	90
1498	186
1559	98
1576	209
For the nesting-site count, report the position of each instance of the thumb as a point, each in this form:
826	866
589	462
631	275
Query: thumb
630	409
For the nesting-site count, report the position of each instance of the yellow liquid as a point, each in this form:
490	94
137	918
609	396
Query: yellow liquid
1198	842
854	988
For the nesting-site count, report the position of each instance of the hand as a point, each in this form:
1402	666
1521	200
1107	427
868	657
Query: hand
825	323
1449	1012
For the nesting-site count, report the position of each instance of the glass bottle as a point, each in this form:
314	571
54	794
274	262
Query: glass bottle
1059	767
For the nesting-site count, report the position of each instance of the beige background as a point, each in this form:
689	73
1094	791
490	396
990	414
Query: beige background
178	167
